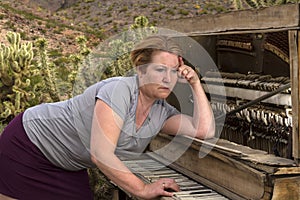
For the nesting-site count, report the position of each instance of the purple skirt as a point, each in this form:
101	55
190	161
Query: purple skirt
25	173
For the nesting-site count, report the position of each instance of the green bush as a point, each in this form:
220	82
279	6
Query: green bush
22	84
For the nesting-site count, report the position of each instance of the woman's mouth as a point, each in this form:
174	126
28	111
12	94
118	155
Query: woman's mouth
164	88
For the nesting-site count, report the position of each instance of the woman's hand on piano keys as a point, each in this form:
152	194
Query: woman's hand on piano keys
161	187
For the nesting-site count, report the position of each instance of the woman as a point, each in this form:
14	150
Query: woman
44	152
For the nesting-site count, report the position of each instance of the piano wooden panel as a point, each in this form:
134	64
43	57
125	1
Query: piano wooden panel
235	171
294	44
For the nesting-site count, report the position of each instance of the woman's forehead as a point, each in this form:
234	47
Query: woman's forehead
165	58
165	66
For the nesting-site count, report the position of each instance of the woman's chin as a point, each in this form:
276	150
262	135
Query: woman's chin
164	95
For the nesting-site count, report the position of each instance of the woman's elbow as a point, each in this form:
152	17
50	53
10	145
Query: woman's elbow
94	159
98	158
206	132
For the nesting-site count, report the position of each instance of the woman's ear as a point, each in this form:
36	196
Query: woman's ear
141	69
138	71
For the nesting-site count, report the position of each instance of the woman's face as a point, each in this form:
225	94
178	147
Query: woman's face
160	76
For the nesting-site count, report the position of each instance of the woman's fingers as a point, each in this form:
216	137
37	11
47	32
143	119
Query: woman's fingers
171	186
180	61
162	187
187	73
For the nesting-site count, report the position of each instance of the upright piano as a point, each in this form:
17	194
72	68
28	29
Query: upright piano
252	81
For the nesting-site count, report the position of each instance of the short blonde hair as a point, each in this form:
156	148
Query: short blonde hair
142	53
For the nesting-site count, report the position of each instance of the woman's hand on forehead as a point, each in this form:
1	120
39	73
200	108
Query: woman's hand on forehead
186	73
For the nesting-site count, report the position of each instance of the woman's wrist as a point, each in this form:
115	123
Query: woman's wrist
195	84
141	191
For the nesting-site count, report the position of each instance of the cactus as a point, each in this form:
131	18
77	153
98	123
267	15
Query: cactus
45	68
78	59
16	76
238	4
120	63
111	59
24	81
141	28
254	3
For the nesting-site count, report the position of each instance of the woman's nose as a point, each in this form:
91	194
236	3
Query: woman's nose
167	77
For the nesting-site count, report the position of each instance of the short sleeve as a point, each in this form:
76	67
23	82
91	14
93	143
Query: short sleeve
117	95
171	110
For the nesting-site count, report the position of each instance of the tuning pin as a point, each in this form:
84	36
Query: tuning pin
288	112
258	115
270	117
212	105
264	117
276	118
280	120
286	121
251	135
228	108
219	107
248	116
253	114
242	114
224	108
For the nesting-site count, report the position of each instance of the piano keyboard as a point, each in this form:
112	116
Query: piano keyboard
150	170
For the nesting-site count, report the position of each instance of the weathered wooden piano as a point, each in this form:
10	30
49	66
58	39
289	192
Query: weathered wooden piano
256	152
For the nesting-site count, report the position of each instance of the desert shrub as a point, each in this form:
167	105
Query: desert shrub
22	83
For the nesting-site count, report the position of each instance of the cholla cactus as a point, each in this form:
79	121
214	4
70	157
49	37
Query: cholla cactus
238	4
112	59
77	60
45	69
81	41
16	73
142	28
120	63
23	83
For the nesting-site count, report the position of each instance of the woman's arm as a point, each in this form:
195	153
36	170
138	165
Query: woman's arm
106	128
201	124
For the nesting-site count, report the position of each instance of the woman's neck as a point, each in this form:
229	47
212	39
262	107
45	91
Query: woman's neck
143	108
145	101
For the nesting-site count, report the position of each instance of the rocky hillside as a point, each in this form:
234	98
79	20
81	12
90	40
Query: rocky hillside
109	16
60	21
60	37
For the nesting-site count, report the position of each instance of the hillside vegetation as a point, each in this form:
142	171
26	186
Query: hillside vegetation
44	41
60	21
111	17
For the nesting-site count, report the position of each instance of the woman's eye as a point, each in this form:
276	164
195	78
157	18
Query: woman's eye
174	71
160	69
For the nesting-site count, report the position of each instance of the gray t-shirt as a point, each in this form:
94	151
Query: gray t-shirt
62	130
